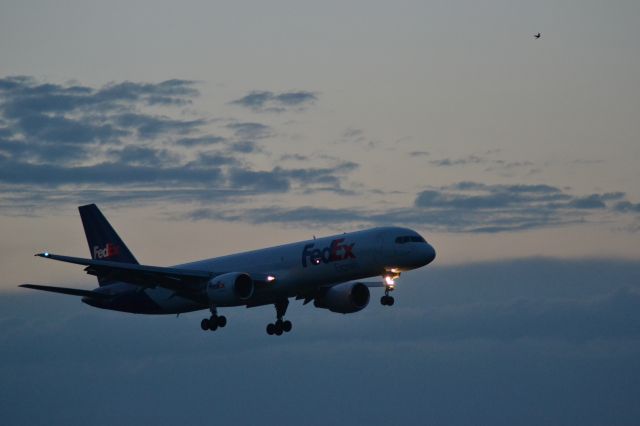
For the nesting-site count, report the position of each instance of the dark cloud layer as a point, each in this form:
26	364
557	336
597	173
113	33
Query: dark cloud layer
524	342
266	101
463	207
71	137
43	121
108	173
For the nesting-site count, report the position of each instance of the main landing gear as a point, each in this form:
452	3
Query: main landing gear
214	321
280	326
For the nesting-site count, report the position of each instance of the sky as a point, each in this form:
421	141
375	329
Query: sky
207	128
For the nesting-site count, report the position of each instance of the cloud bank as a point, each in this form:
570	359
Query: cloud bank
135	142
470	207
553	341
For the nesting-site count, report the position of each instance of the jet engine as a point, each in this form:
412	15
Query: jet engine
344	298
230	288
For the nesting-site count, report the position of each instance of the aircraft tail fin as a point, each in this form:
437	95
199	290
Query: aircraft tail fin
104	242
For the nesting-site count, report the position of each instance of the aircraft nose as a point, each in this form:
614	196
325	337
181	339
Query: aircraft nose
429	254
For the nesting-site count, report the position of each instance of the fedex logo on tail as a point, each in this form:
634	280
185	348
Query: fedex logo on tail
336	251
109	250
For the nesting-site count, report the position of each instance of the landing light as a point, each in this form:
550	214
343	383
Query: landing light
270	278
46	254
389	281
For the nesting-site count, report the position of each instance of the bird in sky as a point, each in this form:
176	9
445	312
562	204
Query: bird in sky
537	35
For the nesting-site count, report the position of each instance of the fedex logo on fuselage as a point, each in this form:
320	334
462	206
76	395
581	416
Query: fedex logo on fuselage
109	250
336	251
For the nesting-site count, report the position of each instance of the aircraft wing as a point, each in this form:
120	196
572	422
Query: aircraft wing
184	281
66	290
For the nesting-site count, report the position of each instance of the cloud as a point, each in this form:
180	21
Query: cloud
500	166
65	123
470	207
447	162
544	337
60	129
150	127
215	158
200	141
250	130
353	135
627	207
282	179
108	173
142	155
294	157
73	137
24	96
266	101
262	181
244	146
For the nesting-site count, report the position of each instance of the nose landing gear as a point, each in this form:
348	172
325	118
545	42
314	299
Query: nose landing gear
280	325
389	286
387	300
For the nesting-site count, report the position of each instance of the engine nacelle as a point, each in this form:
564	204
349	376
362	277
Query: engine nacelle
344	298
230	288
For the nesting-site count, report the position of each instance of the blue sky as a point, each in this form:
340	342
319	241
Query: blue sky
206	128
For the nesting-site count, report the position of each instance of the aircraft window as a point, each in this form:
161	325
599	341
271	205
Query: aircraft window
410	239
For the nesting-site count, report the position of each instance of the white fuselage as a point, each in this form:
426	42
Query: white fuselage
301	268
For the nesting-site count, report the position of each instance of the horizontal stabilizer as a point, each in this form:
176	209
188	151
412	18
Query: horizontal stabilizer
65	290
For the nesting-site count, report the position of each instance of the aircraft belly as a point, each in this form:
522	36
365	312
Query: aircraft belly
169	303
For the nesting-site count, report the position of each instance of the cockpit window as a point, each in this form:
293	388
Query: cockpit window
410	239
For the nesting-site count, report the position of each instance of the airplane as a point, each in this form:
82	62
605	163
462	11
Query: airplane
327	271
537	35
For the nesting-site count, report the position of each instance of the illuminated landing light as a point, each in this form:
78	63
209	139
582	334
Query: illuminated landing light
270	278
389	281
46	254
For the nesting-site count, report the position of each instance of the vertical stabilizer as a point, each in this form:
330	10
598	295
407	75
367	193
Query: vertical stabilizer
104	242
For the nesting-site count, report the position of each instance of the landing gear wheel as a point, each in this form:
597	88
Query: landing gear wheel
387	301
286	326
222	321
213	323
278	330
271	329
204	324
